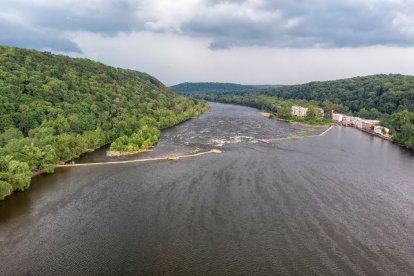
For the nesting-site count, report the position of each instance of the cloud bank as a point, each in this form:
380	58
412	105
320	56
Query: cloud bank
50	24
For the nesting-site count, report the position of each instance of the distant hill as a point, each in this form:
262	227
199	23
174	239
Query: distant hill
216	86
383	93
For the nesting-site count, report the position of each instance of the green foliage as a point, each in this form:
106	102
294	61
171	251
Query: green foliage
402	126
53	108
10	134
303	133
283	112
145	138
385	93
5	189
313	113
14	172
399	119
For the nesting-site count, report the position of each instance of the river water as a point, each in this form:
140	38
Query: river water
338	204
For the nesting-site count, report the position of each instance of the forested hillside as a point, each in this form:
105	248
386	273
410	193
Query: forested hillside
389	98
53	108
215	86
376	94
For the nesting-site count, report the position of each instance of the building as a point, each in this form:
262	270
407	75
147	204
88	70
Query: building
299	111
381	130
364	124
336	117
370	126
357	122
346	120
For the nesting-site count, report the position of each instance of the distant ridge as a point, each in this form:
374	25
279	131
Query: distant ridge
216	86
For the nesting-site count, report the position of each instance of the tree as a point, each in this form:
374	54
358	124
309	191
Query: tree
9	134
313	113
398	119
5	189
284	112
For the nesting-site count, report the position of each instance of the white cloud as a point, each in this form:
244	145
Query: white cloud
173	58
166	15
277	23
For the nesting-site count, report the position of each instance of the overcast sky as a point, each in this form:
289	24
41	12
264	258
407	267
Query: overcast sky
243	41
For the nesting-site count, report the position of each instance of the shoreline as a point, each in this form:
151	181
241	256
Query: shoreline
114	153
265	114
66	162
268	115
170	157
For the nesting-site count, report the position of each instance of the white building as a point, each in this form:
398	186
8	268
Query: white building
366	124
336	117
381	130
299	111
346	120
357	122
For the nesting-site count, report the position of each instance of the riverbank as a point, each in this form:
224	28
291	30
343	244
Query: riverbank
170	157
21	181
273	116
114	153
265	114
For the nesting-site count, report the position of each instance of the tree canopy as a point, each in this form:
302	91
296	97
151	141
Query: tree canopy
53	108
382	93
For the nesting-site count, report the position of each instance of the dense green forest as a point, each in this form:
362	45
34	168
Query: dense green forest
53	108
389	98
215	86
377	94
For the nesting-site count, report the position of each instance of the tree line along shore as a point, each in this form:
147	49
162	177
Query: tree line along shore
54	108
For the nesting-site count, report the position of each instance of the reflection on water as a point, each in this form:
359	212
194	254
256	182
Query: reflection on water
341	204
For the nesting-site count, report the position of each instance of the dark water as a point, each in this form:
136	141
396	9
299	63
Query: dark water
340	204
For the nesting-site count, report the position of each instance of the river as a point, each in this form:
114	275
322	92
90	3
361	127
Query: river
337	204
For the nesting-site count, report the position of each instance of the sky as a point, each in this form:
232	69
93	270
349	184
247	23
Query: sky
241	41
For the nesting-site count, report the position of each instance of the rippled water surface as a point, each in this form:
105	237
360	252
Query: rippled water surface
224	125
339	204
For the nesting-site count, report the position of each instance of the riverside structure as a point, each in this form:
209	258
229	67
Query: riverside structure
370	126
